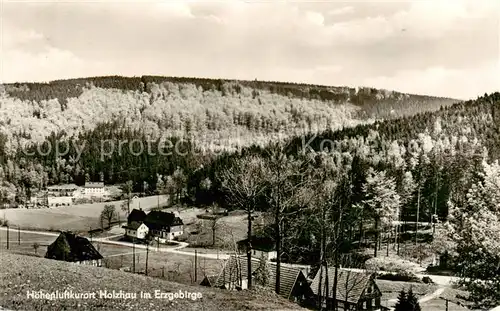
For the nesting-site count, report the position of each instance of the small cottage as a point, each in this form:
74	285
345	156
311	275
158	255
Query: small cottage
136	230
293	282
72	248
355	290
261	247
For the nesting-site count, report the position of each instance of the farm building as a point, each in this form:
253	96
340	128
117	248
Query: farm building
73	248
293	282
261	247
355	290
164	226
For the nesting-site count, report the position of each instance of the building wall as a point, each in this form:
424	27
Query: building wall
267	255
94	191
142	232
131	233
61	201
244	284
95	263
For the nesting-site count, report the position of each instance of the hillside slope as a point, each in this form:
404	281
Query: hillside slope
87	116
20	274
218	114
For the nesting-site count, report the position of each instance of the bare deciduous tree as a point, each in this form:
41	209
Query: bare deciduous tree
287	194
127	189
245	184
108	213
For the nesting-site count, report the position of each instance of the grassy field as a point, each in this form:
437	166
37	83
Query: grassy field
170	266
439	304
229	230
24	273
78	218
26	242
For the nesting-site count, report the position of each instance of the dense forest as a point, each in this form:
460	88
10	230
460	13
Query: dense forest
214	116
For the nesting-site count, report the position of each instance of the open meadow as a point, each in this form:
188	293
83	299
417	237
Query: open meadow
77	218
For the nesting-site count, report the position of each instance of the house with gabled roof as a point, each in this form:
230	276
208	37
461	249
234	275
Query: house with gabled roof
136	230
73	248
260	247
293	282
135	227
163	226
355	290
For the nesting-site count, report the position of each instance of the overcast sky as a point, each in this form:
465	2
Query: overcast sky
444	48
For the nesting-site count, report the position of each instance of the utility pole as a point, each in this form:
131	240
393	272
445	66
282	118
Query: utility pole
195	265
18	235
7	237
133	255
147	257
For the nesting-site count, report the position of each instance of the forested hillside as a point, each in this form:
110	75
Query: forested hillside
213	115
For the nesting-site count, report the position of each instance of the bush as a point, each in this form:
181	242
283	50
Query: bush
427	280
401	277
389	264
437	270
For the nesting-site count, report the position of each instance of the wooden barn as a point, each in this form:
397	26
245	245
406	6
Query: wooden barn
293	282
355	290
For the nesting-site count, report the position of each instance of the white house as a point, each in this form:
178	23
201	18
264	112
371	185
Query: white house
66	190
260	247
164	226
137	230
61	195
94	189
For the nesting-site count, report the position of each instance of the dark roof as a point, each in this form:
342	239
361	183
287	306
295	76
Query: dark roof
70	247
136	215
259	243
236	269
157	220
133	225
351	285
209	280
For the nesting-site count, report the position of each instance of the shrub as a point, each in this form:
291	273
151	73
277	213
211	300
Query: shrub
427	280
401	277
389	264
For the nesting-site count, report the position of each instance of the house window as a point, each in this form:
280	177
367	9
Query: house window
254	252
369	302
